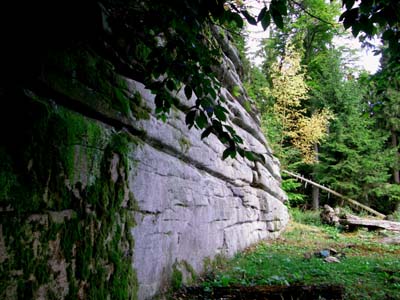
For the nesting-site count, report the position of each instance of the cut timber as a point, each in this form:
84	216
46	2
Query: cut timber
370	223
354	202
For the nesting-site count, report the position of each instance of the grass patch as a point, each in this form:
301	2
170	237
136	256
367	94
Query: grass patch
367	268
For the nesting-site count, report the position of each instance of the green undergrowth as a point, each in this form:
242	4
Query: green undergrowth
367	269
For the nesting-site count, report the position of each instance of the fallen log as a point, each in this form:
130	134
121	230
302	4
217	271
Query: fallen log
351	201
355	221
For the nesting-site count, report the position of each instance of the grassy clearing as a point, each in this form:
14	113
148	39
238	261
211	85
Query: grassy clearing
367	268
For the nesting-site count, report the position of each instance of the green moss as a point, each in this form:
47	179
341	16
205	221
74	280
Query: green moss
138	108
7	178
176	277
217	262
83	75
78	137
180	272
42	274
96	249
40	172
190	269
235	91
185	144
121	101
247	106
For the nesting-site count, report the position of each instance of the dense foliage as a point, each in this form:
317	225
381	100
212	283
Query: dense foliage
359	154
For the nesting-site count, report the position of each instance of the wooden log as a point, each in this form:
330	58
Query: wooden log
370	223
353	202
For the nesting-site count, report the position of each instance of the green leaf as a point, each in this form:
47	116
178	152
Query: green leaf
379	18
170	85
277	17
217	126
205	103
266	20
355	30
207	132
188	92
365	6
250	155
349	3
229	152
225	137
388	34
260	158
366	25
212	93
261	15
280	6
249	18
349	17
237	139
237	19
201	120
230	129
219	112
159	101
189	120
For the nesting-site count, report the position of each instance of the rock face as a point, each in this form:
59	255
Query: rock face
193	205
99	198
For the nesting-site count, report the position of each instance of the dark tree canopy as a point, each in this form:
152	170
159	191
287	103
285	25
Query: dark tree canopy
171	40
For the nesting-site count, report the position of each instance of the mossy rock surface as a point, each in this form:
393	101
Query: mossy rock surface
66	209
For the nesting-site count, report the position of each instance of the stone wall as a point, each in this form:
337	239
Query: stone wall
100	199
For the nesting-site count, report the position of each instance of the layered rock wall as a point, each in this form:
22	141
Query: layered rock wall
99	198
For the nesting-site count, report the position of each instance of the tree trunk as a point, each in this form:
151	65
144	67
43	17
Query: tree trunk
396	172
315	198
315	189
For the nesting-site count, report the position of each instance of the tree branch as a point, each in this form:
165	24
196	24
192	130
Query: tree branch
310	14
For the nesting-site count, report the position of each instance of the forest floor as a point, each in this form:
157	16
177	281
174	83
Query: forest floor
309	261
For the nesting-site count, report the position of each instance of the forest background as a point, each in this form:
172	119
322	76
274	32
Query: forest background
326	118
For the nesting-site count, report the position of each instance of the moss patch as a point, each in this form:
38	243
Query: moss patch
182	273
82	75
185	144
66	207
190	270
176	277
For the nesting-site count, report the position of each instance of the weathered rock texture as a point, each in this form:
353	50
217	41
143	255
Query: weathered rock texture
101	200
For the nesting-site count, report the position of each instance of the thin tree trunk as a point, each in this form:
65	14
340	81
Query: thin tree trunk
315	189
315	198
396	172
